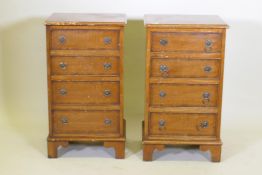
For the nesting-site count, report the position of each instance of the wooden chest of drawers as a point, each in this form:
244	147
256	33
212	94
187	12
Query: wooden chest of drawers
85	80
184	80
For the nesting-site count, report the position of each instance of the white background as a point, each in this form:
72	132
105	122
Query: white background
23	94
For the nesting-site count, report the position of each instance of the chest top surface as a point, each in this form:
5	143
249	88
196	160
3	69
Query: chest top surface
86	19
199	21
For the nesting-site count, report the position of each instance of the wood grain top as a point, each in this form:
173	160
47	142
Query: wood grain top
201	21
86	19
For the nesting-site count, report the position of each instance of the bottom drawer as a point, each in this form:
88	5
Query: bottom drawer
86	123
172	124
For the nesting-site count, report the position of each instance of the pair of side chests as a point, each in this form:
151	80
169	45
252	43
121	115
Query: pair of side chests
184	80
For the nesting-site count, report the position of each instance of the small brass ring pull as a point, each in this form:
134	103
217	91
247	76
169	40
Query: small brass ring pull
107	40
63	92
163	42
207	69
204	124
64	120
163	68
107	121
107	92
62	39
107	66
161	123
162	94
63	65
206	97
208	43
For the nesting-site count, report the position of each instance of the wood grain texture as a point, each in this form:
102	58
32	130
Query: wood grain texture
86	107
88	93
185	68
183	95
192	81
86	123
84	53
84	78
86	19
85	81
186	55
178	110
221	84
185	41
85	66
184	21
192	110
182	124
76	39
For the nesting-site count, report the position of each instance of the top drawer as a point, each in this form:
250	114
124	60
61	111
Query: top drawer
82	39
186	41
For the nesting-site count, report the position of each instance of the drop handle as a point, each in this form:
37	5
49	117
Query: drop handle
63	92
204	124
206	97
163	42
107	93
162	94
63	65
107	40
207	69
64	120
208	44
62	39
107	66
107	121
163	68
161	123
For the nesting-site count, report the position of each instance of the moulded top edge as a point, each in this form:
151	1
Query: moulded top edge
86	19
187	21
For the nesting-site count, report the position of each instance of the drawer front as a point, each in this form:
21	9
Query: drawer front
86	93
86	122
182	124
183	95
186	42
85	66
85	39
185	68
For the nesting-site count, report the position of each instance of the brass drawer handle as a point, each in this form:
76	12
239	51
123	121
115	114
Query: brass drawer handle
107	66
161	123
107	121
107	92
204	124
207	69
63	65
64	120
163	42
208	45
62	39
107	40
206	97
162	94
163	68
63	92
